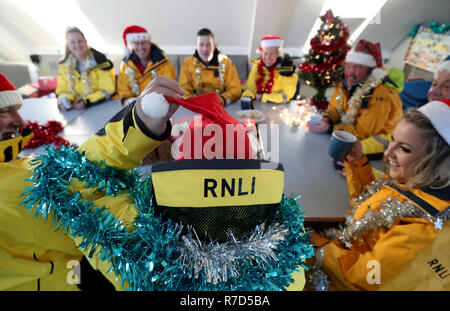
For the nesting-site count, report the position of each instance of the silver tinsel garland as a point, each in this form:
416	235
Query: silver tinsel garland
217	261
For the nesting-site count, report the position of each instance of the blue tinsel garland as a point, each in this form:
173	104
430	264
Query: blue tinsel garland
145	257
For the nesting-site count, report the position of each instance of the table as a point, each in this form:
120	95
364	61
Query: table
308	168
79	125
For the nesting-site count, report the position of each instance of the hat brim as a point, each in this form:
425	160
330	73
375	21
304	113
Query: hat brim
361	59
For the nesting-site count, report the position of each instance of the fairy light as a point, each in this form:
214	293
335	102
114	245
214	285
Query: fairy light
300	114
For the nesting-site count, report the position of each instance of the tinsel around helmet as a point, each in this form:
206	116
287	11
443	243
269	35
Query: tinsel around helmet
155	255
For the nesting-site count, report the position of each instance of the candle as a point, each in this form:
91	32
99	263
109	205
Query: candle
249	124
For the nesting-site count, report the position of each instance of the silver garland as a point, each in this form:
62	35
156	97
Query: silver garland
134	86
198	71
217	260
348	116
87	83
319	279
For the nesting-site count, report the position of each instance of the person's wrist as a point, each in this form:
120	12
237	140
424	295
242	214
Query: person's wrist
359	161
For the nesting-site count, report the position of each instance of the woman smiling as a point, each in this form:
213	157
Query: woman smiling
397	236
86	77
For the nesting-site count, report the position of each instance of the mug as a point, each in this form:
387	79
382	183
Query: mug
246	103
341	145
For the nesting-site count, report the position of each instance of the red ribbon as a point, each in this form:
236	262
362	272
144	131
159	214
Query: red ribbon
46	134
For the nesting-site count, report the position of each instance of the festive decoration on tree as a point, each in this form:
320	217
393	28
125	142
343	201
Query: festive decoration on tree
46	134
324	64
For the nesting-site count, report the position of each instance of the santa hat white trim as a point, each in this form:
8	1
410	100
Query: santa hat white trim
137	36
10	98
361	58
271	43
439	115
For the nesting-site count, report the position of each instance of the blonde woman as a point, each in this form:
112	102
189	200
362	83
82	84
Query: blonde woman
86	77
398	235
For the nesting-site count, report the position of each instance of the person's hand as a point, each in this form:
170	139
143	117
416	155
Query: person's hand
339	166
356	154
321	126
166	87
64	103
80	104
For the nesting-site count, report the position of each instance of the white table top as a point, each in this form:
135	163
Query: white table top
45	109
308	168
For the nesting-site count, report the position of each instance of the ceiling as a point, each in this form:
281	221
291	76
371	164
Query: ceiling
238	25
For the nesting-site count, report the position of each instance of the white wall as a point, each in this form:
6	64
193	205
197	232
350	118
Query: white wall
238	25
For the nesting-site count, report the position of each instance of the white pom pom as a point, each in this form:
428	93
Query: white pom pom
378	73
155	105
127	51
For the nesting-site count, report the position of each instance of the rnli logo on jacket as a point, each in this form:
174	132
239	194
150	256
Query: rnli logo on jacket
438	268
228	187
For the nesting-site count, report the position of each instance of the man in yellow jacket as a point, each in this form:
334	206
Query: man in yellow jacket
33	256
209	70
272	77
365	103
142	65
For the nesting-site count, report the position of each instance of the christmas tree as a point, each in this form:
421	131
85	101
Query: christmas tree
324	64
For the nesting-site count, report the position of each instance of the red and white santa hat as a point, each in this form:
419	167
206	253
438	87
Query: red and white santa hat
439	114
270	41
134	33
213	134
9	96
366	53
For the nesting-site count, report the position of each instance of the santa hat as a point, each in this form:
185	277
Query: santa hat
134	33
213	134
439	114
9	96
366	53
270	41
216	135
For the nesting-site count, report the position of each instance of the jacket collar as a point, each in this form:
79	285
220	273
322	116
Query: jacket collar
443	194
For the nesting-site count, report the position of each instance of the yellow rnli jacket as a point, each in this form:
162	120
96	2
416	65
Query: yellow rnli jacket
219	76
379	113
35	257
284	82
99	86
412	254
131	82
